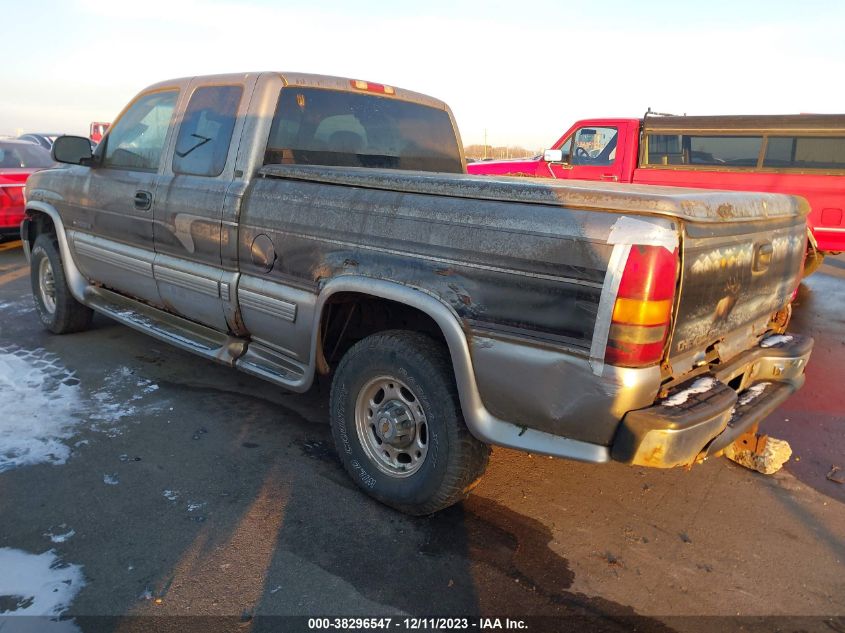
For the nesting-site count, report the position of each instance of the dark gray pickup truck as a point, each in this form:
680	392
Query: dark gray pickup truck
288	225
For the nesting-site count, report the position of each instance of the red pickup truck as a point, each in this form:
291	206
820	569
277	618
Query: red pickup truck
795	154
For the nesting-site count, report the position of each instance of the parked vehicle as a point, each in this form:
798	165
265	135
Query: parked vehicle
97	130
290	225
18	160
801	155
44	140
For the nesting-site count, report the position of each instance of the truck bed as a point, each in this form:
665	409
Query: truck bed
529	259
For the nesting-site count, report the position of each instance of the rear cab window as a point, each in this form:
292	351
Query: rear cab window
316	126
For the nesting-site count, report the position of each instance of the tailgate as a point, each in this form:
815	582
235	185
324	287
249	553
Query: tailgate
735	275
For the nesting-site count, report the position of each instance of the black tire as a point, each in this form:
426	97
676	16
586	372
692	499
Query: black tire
68	315
455	460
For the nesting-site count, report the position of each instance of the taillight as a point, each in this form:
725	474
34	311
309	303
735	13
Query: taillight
12	196
642	314
369	86
17	195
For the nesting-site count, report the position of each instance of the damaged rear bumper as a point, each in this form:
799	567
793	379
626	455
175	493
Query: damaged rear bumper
708	413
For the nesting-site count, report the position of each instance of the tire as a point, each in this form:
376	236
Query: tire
418	415
59	312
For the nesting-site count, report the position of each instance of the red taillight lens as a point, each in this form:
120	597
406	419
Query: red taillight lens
642	314
12	196
8	197
16	196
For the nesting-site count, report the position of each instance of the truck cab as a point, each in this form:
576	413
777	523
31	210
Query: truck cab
594	149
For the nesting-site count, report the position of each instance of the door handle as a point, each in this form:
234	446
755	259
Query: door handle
143	200
609	177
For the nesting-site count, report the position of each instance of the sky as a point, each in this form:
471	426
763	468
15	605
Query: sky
517	73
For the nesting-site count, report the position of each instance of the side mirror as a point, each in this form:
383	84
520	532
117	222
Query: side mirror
554	156
75	150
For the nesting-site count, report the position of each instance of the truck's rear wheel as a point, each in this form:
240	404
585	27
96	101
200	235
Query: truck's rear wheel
397	423
58	310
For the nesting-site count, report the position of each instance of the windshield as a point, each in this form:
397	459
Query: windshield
24	155
330	127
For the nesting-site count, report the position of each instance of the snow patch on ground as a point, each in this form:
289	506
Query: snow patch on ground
44	406
38	585
41	406
701	385
11	308
775	341
63	534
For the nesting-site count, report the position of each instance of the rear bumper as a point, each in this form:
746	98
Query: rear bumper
704	415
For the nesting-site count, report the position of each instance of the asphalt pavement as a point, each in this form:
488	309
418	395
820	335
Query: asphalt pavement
143	481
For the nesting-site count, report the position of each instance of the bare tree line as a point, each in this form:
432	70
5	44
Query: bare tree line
480	152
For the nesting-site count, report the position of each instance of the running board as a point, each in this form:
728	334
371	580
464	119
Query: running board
250	357
269	364
167	327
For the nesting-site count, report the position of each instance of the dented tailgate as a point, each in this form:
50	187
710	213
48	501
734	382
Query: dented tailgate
735	275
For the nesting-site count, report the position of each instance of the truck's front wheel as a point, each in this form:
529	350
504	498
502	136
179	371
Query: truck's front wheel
58	310
397	423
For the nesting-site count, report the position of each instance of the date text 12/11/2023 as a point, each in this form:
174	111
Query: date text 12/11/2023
416	624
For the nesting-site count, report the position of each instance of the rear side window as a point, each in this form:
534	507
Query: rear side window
715	151
206	131
136	141
314	126
805	152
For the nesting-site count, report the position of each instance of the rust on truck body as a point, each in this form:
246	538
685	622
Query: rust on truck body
278	269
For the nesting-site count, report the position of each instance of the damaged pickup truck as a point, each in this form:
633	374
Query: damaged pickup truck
292	225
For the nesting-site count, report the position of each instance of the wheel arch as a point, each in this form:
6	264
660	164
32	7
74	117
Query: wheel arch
38	214
438	311
481	423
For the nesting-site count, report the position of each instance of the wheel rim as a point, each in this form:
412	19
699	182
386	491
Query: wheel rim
47	285
392	426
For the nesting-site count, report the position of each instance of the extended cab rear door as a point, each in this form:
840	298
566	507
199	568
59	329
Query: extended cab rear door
593	150
198	175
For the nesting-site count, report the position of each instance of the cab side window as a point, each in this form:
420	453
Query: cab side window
594	146
206	131
136	141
